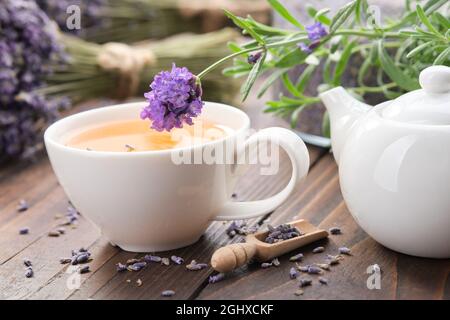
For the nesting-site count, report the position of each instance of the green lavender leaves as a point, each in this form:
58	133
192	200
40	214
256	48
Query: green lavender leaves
388	55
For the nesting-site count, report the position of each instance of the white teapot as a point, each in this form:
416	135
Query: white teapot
394	164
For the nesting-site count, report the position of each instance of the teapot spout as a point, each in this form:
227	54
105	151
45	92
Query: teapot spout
344	110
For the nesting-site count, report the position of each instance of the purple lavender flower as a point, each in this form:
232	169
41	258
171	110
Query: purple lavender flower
120	267
24	230
174	99
253	58
177	260
293	273
167	293
150	258
28	51
304	47
22	206
216	278
316	31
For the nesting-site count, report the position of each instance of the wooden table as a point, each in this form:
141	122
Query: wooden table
318	199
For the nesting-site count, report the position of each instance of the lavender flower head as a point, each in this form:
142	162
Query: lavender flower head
316	31
174	99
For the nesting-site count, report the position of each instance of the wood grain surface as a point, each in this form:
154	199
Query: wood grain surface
317	199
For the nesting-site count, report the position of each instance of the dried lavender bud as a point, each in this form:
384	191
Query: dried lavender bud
194	266
276	262
84	269
344	250
120	267
61	230
83	257
216	278
139	282
297	257
266	265
318	250
27	262
24	230
150	258
177	260
293	274
132	261
65	260
234	195
165	261
281	232
74	260
323	280
299	292
137	266
305	282
314	270
53	234
22	206
335	230
82	250
29	272
167	293
324	266
303	268
333	260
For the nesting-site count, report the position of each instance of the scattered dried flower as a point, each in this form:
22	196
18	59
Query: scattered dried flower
276	262
299	292
139	282
344	250
27	262
29	272
333	260
24	230
318	250
22	206
335	230
177	260
83	257
216	278
54	234
165	261
138	266
297	257
266	265
293	273
133	261
314	270
302	268
323	280
149	258
120	267
167	293
324	266
194	266
84	269
304	282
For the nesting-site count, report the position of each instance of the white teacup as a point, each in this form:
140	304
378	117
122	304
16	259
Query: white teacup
143	201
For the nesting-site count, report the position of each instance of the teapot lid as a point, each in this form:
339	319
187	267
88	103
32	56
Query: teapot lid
429	105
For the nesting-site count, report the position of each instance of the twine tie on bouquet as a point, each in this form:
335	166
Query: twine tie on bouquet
127	62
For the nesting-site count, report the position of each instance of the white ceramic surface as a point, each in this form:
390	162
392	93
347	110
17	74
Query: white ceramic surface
394	164
142	201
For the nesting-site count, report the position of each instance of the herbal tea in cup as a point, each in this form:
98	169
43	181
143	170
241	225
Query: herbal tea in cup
136	135
139	197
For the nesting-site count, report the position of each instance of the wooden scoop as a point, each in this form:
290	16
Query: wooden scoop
236	255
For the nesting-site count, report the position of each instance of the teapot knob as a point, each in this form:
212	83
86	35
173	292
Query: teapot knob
435	79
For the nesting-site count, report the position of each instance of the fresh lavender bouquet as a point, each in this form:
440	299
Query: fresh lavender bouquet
395	51
28	49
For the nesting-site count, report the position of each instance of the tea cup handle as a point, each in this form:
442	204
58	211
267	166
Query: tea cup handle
299	156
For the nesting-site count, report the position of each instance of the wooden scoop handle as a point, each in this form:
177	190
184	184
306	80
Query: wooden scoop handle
233	256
